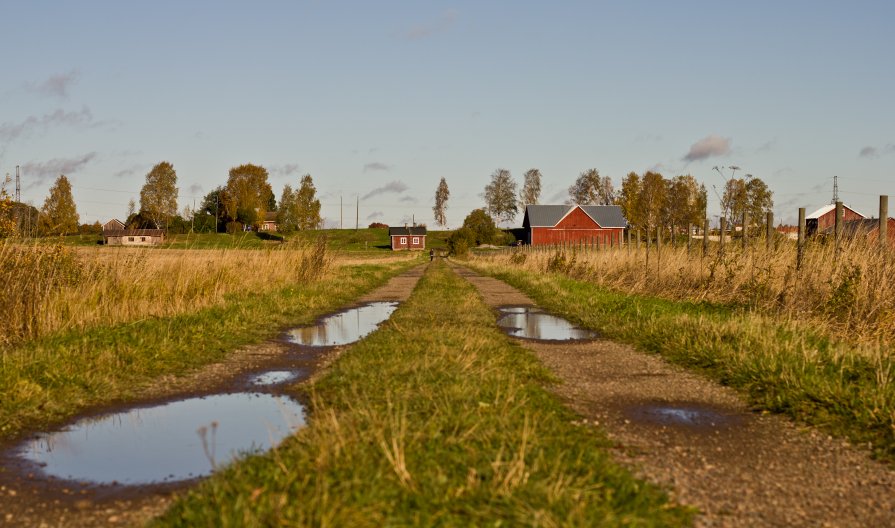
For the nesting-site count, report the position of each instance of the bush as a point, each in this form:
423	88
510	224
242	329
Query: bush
482	226
378	225
234	228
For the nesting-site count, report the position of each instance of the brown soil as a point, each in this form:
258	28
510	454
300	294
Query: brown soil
702	442
28	499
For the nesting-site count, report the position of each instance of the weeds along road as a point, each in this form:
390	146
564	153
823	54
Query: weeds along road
680	430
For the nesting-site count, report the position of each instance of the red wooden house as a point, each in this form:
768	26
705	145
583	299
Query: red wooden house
820	220
600	225
408	238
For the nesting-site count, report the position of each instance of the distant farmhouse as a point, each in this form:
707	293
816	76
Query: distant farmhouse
408	238
269	223
115	234
600	225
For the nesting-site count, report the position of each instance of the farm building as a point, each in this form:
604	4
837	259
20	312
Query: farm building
820	220
133	237
408	238
113	225
601	225
867	227
270	222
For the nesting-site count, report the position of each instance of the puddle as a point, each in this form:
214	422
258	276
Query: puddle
683	415
273	377
529	322
344	327
163	443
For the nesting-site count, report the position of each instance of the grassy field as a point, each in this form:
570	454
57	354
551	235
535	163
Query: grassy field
87	330
437	419
844	386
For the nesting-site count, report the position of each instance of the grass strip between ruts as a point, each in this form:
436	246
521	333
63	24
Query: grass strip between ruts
780	368
49	379
436	419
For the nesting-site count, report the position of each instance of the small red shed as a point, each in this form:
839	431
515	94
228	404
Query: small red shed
601	225
408	238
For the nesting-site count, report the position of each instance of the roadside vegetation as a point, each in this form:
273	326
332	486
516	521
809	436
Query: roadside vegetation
83	328
435	419
815	343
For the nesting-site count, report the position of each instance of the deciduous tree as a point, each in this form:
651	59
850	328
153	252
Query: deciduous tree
158	197
441	197
7	222
500	196
247	196
628	198
531	188
592	189
307	206
59	216
651	201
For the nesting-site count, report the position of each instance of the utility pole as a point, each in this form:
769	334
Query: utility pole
18	186
835	189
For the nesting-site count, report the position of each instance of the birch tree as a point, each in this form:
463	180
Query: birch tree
441	197
158	197
500	196
531	188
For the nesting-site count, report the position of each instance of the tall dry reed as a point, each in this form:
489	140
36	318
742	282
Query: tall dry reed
45	289
850	292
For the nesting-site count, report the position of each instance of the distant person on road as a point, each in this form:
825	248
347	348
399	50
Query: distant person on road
431	255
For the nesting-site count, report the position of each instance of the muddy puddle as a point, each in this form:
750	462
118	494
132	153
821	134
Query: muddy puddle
166	443
344	327
683	415
273	377
529	322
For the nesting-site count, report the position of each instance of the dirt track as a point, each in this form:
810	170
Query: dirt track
703	443
28	500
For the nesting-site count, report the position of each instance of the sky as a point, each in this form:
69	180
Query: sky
378	101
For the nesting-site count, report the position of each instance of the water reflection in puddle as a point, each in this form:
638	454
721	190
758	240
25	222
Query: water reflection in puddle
273	377
533	323
683	415
345	327
165	443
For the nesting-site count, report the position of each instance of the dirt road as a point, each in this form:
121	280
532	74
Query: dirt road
702	442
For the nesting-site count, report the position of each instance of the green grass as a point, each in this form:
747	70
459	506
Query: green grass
44	381
843	388
437	419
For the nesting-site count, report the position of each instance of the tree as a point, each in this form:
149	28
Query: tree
733	201
59	216
759	199
686	201
7	222
158	197
651	201
247	196
131	208
286	212
500	196
591	189
441	197
628	198
307	206
531	188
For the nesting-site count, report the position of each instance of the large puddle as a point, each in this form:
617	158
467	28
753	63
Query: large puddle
344	327
166	443
529	322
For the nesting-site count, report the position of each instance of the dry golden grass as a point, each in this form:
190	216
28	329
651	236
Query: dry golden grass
849	293
46	289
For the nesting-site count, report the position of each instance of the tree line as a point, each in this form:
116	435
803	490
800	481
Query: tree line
647	200
245	202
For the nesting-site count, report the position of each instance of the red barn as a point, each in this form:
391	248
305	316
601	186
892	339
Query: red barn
601	225
408	238
867	228
820	220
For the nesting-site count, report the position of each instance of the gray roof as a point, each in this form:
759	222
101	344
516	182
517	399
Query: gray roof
606	216
405	231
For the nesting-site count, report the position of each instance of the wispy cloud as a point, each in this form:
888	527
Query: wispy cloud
391	187
285	170
767	146
408	199
56	85
708	147
375	214
130	171
377	166
13	131
558	196
434	27
196	189
36	173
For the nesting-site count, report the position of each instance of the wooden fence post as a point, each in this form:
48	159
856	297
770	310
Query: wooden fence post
658	250
883	220
769	230
838	226
723	229
705	237
800	248
745	230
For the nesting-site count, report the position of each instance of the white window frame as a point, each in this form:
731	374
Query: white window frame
403	240
416	241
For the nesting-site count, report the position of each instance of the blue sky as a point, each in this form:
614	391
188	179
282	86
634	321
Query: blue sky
379	100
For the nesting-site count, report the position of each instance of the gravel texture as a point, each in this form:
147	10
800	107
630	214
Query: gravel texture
27	499
703	443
